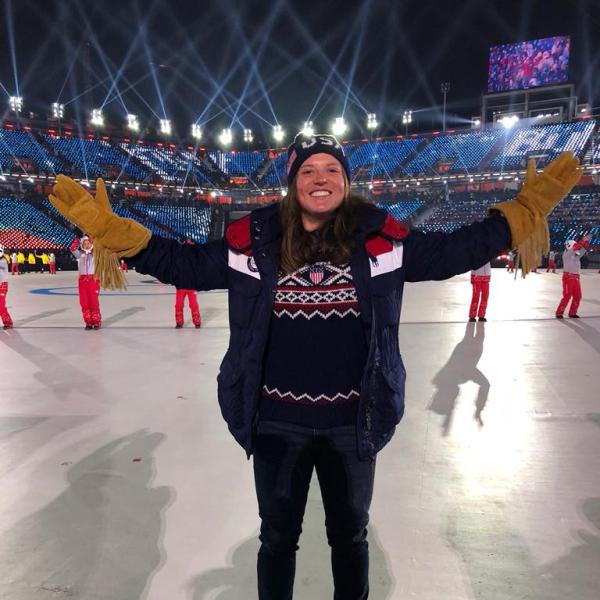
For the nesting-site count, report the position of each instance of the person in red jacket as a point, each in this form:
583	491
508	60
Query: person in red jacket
124	266
89	286
480	280
570	278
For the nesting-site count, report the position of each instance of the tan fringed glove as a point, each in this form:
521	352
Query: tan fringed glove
114	236
526	214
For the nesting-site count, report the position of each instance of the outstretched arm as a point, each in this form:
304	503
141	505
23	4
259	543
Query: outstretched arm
516	224
435	256
190	267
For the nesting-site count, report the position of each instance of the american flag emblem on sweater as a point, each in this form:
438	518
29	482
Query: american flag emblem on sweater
321	290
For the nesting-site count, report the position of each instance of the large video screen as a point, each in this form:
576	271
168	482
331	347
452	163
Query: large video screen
529	64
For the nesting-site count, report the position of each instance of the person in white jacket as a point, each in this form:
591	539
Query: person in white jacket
570	279
89	286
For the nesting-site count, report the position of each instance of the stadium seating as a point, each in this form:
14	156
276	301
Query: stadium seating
166	164
546	140
190	222
18	145
205	172
238	164
458	210
98	158
24	226
403	209
576	215
370	160
276	173
459	152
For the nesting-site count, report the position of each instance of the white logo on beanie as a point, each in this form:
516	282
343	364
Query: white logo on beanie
320	139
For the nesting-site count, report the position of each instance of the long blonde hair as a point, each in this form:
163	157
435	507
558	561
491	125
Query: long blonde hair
333	242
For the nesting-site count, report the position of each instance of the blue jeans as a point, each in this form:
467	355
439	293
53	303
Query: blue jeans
284	458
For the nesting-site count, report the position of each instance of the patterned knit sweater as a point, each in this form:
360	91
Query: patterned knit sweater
316	351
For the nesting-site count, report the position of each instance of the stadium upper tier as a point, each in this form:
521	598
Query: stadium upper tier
466	153
19	150
98	158
34	223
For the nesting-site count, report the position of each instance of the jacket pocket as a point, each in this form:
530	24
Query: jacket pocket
243	295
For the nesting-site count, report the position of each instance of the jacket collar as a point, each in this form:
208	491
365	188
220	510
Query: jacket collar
263	227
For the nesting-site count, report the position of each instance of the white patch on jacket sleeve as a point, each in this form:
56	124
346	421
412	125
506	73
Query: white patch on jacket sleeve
242	263
387	262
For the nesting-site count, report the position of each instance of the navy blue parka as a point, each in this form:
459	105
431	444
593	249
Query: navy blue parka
246	262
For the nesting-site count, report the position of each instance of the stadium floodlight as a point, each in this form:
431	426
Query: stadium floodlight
15	103
248	136
339	126
165	126
406	120
58	110
278	133
308	130
283	191
196	131
226	137
444	88
133	123
508	121
97	119
372	121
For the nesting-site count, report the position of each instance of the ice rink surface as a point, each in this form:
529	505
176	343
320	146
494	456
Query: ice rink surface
120	480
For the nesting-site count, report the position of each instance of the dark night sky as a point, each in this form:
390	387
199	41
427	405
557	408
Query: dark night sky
250	63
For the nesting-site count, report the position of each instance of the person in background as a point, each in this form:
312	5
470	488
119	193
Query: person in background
31	261
510	266
52	263
180	296
6	320
551	262
480	280
45	260
571	285
89	286
14	264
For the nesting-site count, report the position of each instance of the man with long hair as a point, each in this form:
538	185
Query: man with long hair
313	379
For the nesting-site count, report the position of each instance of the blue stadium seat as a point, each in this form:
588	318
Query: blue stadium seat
98	158
370	160
18	145
239	164
462	153
547	140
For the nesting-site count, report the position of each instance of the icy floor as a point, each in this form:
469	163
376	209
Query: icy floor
120	481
